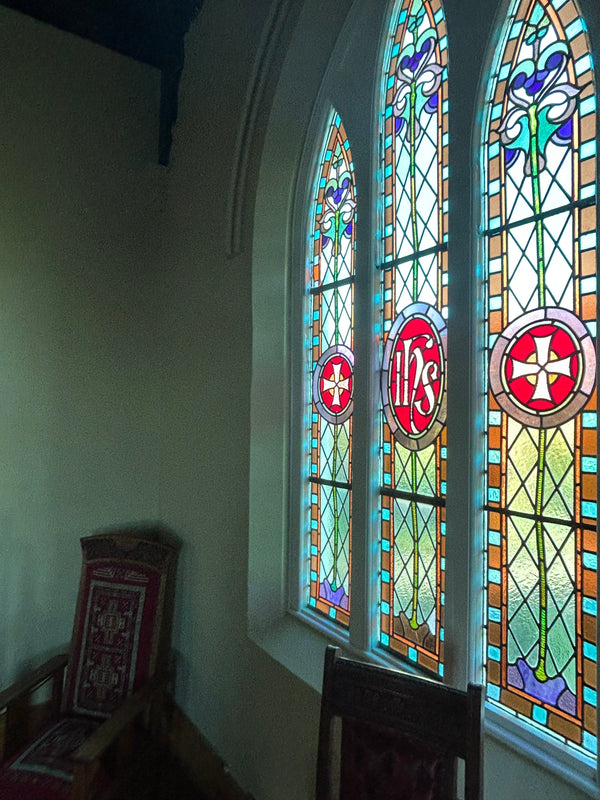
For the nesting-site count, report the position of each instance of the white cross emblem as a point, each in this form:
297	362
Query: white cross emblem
552	350
542	368
336	384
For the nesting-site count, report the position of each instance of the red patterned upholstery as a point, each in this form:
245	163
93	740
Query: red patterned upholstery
44	769
117	623
379	764
120	640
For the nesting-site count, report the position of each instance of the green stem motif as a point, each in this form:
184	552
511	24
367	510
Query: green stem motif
537	202
415	296
415	527
540	671
540	536
336	523
413	189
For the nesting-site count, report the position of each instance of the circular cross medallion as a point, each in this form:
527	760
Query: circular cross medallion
543	367
333	384
413	378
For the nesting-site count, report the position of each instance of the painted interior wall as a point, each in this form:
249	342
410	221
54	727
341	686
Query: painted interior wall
258	715
81	198
127	333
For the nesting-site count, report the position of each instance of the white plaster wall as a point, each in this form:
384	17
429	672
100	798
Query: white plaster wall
255	713
110	342
80	201
258	715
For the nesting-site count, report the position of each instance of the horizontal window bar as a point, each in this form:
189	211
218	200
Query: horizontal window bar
333	285
395	262
589	201
565	523
335	484
426	499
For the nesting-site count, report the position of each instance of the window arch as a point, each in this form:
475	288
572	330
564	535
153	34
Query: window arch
414	293
329	285
361	42
539	189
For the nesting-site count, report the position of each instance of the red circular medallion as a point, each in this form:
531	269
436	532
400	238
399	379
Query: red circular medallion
413	379
542	367
333	384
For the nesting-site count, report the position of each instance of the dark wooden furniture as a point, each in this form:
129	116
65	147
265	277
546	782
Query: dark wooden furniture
108	693
400	735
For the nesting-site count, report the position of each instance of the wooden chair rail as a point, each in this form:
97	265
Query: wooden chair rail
33	680
98	743
408	707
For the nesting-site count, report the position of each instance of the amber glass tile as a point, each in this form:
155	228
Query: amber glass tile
494	595
427	662
567	729
590	719
588	127
516	702
589	628
494	634
588	306
588	219
587	171
493	671
567	14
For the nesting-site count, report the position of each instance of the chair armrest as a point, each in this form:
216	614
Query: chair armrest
25	685
102	738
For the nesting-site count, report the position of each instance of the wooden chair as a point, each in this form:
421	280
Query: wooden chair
400	738
108	700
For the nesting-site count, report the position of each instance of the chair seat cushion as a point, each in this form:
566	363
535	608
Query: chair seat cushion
44	770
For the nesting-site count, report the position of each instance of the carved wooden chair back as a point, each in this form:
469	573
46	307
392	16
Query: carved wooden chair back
116	675
400	736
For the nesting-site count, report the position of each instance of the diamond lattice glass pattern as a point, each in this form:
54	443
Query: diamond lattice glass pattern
538	166
330	377
413	434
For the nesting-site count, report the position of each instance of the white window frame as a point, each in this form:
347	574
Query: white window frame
306	93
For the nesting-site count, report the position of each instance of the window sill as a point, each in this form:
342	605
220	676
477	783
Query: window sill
297	641
541	750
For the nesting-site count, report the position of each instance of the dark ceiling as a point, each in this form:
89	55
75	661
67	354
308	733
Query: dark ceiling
150	31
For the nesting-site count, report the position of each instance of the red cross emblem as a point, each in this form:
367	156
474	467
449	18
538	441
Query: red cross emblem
542	367
333	384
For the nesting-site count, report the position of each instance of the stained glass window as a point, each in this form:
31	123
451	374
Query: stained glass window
330	385
539	167
414	295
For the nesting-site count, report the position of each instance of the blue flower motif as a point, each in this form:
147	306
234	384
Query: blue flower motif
539	95
418	69
340	205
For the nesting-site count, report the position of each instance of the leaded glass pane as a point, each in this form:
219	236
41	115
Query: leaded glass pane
330	376
539	206
413	289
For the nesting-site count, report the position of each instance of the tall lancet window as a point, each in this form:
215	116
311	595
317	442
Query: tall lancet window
414	293
330	375
539	168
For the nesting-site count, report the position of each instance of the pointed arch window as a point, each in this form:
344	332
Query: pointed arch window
414	292
539	190
538	295
330	375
